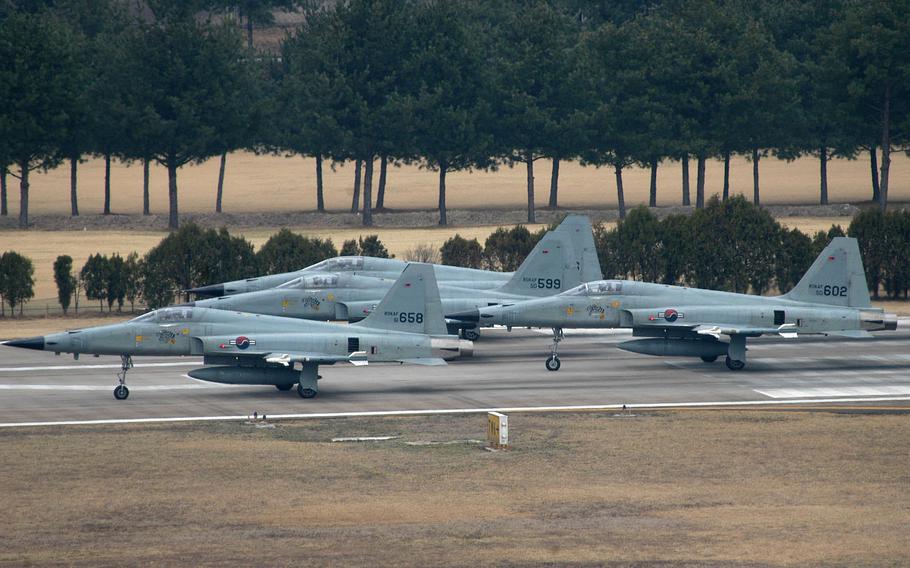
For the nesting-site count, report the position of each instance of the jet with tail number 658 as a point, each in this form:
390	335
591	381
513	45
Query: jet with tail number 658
832	298
254	349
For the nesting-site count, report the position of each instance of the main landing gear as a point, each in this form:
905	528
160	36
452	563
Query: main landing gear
120	391
307	386
553	363
736	353
470	333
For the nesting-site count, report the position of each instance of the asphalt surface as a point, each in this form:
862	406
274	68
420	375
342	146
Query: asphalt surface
506	371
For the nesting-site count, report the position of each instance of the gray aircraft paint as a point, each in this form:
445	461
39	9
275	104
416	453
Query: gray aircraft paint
261	349
832	298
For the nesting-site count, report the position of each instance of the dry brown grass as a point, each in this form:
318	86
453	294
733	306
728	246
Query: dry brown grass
714	488
269	183
28	327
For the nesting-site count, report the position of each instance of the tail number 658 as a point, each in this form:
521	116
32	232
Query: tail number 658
410	317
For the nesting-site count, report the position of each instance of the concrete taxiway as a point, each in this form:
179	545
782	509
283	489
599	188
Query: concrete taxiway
507	371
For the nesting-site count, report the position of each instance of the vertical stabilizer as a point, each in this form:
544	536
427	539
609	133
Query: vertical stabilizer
412	304
579	231
836	277
549	269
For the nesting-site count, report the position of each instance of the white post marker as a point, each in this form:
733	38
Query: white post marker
497	431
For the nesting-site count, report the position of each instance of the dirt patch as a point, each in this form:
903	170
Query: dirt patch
713	488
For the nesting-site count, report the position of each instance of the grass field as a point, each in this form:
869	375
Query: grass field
269	183
709	488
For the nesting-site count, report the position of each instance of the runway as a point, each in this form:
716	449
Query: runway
507	372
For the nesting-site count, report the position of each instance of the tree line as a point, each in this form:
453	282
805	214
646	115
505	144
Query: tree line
728	245
455	85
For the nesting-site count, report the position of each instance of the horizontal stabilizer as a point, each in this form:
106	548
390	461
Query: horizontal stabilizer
429	361
854	333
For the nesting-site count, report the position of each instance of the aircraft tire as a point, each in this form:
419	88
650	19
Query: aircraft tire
121	392
306	393
734	365
470	334
553	363
709	358
284	387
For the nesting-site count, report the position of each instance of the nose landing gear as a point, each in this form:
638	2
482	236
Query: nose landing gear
120	391
553	363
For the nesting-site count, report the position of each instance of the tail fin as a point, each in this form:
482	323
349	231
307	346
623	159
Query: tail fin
549	269
836	277
412	304
581	234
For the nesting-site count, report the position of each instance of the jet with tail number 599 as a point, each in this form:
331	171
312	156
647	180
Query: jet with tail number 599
564	258
832	298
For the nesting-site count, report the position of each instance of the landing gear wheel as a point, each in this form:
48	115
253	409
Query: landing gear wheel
284	387
709	358
120	391
305	392
470	334
733	364
553	359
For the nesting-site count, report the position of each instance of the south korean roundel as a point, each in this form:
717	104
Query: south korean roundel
671	315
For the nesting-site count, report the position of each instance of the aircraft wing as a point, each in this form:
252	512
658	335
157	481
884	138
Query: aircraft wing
675	319
357	358
787	330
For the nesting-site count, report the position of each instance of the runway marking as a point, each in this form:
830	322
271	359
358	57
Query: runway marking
73	367
315	415
65	387
878	390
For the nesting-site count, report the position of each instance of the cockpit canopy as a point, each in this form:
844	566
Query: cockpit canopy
598	288
166	315
312	282
338	264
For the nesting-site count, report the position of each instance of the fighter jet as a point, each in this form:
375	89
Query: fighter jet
562	259
251	349
355	265
832	298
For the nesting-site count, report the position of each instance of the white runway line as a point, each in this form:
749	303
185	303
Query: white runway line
877	390
64	387
74	367
643	406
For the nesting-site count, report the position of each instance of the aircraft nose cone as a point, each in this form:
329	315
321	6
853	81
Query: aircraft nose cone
212	291
28	343
469	316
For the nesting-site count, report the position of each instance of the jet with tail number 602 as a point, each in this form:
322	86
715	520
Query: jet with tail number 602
832	298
